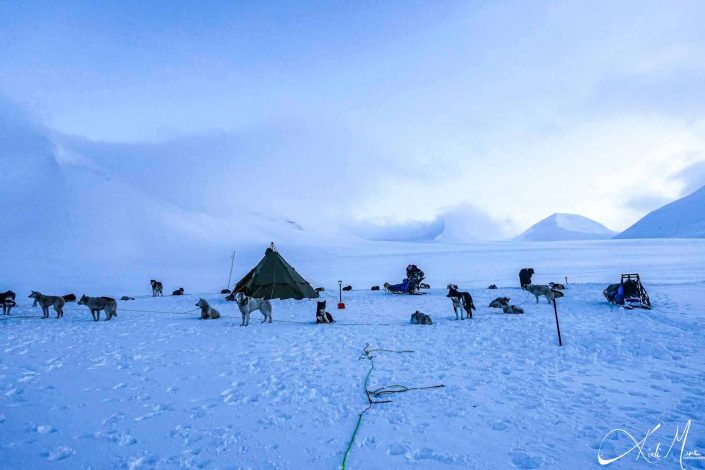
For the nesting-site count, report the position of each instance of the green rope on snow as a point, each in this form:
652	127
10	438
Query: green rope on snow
367	354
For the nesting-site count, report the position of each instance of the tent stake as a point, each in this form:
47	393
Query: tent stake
558	327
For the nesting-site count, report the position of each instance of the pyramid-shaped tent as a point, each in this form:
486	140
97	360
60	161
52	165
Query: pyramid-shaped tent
274	278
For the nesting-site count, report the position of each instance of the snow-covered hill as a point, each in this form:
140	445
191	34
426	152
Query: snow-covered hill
684	218
566	227
69	223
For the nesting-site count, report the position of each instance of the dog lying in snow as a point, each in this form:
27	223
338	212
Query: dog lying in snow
319	289
419	318
207	311
499	302
125	297
347	288
96	304
179	291
506	308
374	288
8	301
321	315
247	305
462	301
541	291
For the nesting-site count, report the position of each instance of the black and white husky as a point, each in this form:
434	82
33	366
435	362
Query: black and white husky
8	301
462	302
321	315
248	305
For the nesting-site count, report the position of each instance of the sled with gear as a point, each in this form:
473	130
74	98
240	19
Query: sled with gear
411	285
629	293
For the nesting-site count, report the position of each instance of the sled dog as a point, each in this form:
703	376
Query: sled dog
525	277
207	311
248	305
46	301
321	315
96	304
462	301
512	309
157	288
499	302
556	286
179	291
419	318
8	301
538	291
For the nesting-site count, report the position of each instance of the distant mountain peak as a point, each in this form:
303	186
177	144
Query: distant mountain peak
683	218
563	226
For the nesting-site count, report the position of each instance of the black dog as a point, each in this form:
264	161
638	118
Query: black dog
125	297
463	298
319	289
321	315
492	286
374	288
179	291
225	291
70	297
525	277
8	301
347	288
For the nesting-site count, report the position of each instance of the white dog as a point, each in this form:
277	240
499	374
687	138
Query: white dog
248	305
539	290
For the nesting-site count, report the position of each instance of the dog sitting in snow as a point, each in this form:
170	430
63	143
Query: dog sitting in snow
419	318
462	302
247	305
207	311
541	291
321	315
499	302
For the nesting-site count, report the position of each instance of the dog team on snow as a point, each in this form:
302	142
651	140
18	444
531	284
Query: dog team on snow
462	302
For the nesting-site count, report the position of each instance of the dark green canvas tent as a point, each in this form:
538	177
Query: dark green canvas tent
274	278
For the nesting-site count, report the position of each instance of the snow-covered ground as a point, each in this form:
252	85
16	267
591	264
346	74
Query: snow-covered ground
158	388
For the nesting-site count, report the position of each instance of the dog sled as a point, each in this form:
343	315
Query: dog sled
629	293
409	286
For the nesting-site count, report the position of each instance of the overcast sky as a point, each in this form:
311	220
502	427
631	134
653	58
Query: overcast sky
501	112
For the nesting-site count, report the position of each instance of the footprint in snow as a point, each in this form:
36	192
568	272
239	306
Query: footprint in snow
58	453
45	429
521	459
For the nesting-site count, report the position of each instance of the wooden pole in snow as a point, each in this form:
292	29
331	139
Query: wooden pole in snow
558	327
230	276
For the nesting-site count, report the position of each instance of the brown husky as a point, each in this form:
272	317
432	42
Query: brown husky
96	304
46	301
